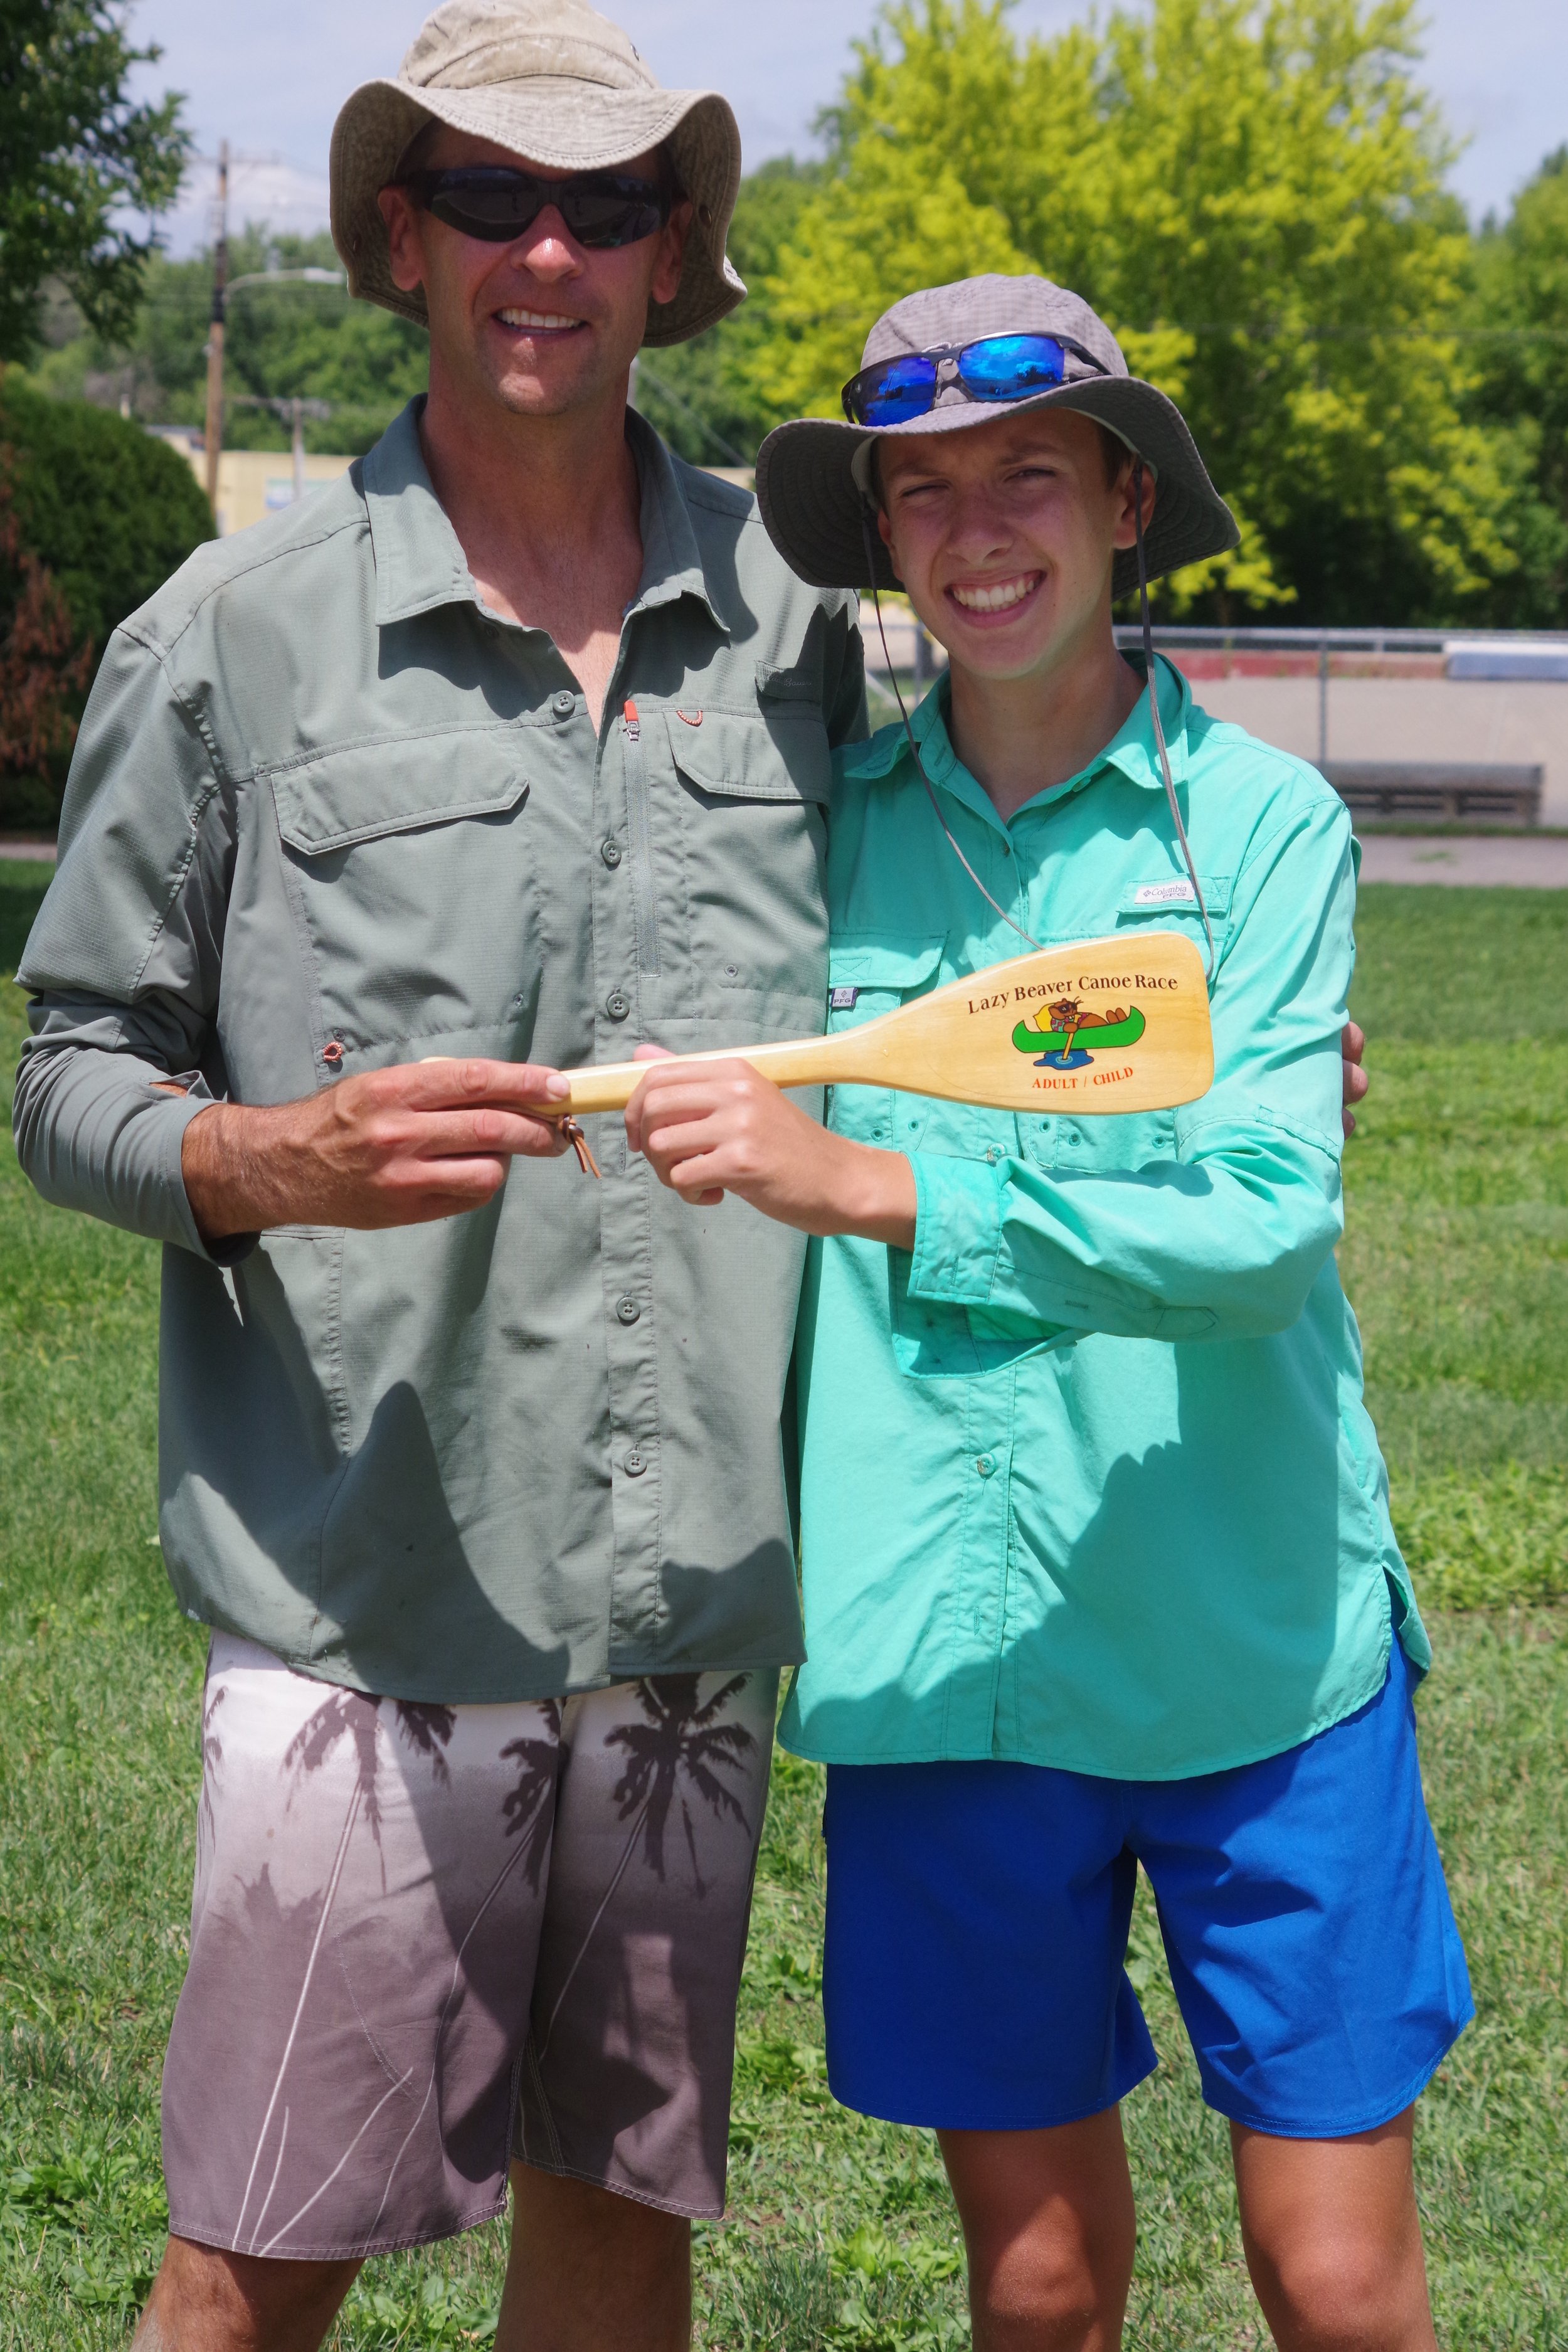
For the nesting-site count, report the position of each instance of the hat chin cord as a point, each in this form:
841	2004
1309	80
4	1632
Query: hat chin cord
1151	674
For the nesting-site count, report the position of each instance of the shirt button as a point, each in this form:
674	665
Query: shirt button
610	850
635	1464
564	704
617	1004
992	1153
985	1465
627	1310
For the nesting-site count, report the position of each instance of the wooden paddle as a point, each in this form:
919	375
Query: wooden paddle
989	1039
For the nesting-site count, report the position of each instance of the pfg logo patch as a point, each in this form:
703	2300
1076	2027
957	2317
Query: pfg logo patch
843	1000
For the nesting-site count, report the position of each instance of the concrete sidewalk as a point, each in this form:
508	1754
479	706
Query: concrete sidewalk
1520	861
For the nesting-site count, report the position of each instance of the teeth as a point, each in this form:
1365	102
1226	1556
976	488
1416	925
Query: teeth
534	319
997	599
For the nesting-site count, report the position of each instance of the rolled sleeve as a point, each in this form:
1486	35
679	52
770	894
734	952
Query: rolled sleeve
123	963
960	1211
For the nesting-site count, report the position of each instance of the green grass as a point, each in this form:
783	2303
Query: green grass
840	2234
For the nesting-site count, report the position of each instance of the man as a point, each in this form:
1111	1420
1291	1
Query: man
509	750
1136	1601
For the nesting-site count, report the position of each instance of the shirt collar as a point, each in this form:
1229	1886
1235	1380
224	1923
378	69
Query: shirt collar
419	563
1131	751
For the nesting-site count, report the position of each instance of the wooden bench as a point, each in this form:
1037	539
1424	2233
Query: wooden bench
1404	791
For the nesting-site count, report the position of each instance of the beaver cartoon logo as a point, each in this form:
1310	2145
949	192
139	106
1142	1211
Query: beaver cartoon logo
1065	1022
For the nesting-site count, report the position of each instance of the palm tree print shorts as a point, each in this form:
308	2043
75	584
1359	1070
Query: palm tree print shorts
425	1939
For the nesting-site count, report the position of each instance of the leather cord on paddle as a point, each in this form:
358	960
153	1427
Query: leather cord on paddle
573	1132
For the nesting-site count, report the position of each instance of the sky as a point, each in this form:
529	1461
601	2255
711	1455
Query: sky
270	80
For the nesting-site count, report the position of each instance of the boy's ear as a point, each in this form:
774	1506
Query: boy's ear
1125	534
886	529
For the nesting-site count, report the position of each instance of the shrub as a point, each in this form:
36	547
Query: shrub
94	516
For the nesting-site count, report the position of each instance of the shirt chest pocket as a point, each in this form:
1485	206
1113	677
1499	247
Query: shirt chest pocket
410	870
870	973
1164	901
742	869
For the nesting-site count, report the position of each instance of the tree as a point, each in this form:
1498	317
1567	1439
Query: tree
1252	195
94	515
75	155
705	396
1520	320
310	340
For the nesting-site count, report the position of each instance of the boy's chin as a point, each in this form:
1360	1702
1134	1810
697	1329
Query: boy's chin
999	655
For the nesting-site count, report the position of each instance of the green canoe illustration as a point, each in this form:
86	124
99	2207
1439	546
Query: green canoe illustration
1106	1035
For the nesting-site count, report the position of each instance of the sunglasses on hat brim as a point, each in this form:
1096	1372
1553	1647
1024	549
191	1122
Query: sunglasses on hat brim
992	368
495	203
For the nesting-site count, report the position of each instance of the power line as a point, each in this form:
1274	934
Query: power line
668	392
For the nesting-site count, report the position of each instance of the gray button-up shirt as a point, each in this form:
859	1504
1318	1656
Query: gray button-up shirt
328	813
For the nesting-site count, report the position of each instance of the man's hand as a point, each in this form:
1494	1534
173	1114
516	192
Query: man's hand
1353	1045
721	1128
398	1147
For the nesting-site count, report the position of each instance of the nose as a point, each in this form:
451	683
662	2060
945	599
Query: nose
546	250
980	527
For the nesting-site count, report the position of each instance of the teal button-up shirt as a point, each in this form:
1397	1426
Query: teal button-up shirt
1087	1480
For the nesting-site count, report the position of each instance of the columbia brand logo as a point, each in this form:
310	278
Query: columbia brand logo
1164	894
842	1000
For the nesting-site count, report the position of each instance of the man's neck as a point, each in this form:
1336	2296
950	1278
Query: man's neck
1022	736
547	511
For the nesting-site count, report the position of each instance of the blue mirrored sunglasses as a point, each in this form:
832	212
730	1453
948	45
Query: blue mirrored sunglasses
996	367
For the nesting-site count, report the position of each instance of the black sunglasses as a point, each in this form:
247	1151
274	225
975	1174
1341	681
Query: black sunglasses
995	367
493	202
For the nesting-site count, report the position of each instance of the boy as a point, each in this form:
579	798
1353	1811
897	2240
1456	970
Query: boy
1098	1564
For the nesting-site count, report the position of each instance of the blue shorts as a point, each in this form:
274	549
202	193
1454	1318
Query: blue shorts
977	1919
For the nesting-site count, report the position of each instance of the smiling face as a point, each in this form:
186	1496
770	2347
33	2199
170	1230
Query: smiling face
541	325
1004	535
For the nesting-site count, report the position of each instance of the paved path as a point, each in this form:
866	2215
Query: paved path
1522	861
31	852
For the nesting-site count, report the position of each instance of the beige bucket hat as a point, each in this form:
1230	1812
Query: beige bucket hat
558	83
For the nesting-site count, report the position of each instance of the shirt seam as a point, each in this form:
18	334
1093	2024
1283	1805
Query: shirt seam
198	815
134	628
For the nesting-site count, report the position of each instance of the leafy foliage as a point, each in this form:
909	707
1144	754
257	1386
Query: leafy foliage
294	340
1254	198
76	154
43	667
94	515
712	398
1520	317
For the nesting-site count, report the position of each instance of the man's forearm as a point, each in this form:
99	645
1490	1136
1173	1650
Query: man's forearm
241	1169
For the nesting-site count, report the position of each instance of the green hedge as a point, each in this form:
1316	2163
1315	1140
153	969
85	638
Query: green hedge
110	511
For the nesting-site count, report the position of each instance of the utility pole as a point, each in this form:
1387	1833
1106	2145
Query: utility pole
215	332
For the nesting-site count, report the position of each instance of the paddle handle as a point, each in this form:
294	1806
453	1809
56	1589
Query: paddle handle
800	1062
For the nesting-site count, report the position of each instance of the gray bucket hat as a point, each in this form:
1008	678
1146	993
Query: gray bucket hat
813	477
556	82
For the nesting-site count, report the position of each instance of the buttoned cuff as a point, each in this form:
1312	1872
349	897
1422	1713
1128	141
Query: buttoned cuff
958	1229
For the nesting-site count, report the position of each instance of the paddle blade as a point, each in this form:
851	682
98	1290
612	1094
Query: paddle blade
1112	1024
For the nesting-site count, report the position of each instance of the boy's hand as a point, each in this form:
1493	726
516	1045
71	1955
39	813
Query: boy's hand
721	1128
1353	1045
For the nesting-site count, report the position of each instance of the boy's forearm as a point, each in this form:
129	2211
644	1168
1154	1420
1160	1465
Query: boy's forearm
873	1194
